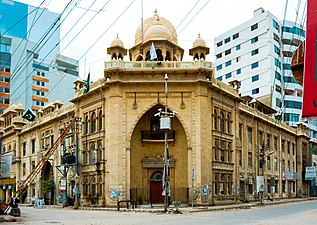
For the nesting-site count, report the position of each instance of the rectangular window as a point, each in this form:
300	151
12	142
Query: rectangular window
42	93
227	40
278	103
250	159
238	59
238	47
228	75
255	91
254	65
277	76
42	84
235	36
43	74
255	78
24	149
275	37
238	71
38	82
276	25
227	52
255	39
254	27
33	145
286	66
218	56
254	52
278	88
38	73
219	78
228	63
219	67
219	44
277	63
37	92
277	50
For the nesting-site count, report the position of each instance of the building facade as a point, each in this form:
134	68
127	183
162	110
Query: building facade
29	54
258	53
219	143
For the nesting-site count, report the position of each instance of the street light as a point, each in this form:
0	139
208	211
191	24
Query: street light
165	124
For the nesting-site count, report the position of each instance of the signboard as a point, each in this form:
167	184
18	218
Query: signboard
259	184
310	63
62	186
6	163
310	173
116	192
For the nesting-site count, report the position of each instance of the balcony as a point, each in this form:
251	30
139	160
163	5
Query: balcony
157	136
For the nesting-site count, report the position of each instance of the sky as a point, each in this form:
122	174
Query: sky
90	32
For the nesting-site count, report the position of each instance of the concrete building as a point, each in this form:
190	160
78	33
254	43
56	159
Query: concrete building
258	53
227	140
28	54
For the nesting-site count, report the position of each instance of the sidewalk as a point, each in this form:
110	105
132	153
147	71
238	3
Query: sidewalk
171	209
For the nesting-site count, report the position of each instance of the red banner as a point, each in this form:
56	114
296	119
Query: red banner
310	66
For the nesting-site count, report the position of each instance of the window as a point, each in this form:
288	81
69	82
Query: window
250	159
93	187
38	73
255	52
278	88
42	84
86	124
278	103
228	123
227	40
222	122
43	74
42	103
219	67
276	25
228	75
219	78
238	47
24	169
38	82
275	37
235	36
228	63
293	104
219	44
250	135
286	66
238	59
277	63
24	149
100	120
37	92
255	78
238	71
255	39
93	122
227	52
33	145
100	186
254	65
218	56
276	50
291	117
255	91
254	26
42	93
215	120
277	76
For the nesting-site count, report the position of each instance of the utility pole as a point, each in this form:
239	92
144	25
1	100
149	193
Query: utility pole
165	124
76	188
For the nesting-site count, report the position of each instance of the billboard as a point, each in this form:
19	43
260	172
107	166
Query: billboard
310	63
6	164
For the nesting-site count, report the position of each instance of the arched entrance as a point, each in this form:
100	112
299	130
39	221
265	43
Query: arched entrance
48	183
156	187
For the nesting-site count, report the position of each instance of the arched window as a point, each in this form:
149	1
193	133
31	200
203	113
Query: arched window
168	56
93	187
93	122
114	56
99	151
86	124
155	123
100	120
228	123
222	122
196	57
86	186
139	58
215	120
159	55
100	186
93	153
120	56
202	56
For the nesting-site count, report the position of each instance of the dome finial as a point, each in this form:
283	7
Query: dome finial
117	36
156	15
199	35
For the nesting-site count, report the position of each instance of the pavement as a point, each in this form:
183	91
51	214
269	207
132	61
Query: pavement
172	209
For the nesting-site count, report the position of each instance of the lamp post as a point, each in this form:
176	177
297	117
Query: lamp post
165	124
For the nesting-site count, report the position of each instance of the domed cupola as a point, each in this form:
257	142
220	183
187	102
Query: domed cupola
162	33
117	50
199	50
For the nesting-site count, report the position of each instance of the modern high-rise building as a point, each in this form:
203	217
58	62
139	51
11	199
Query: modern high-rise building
31	70
258	54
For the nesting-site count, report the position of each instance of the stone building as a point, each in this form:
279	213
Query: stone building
218	141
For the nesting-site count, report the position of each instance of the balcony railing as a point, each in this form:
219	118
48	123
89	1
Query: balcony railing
157	64
158	135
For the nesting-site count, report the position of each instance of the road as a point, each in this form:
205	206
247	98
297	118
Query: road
290	213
